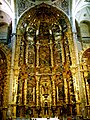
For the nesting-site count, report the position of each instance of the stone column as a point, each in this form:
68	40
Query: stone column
75	62
76	88
71	47
14	75
85	75
26	72
84	95
15	86
12	70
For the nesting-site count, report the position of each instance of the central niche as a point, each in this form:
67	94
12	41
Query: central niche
44	46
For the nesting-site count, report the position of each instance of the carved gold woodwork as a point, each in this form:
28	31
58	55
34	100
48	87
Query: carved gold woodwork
45	76
85	70
43	83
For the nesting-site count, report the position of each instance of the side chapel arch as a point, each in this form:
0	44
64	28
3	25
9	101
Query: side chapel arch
5	59
45	50
85	74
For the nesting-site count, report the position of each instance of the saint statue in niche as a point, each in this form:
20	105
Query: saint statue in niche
30	94
45	88
46	109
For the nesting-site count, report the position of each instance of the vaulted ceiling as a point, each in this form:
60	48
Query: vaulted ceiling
6	12
82	10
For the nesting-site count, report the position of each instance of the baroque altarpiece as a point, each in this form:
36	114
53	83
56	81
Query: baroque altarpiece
44	81
42	69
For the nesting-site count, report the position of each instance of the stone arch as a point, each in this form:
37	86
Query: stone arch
85	74
7	52
86	57
82	52
5	61
61	13
57	9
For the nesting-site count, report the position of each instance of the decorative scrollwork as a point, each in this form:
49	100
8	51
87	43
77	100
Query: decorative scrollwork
23	5
62	4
